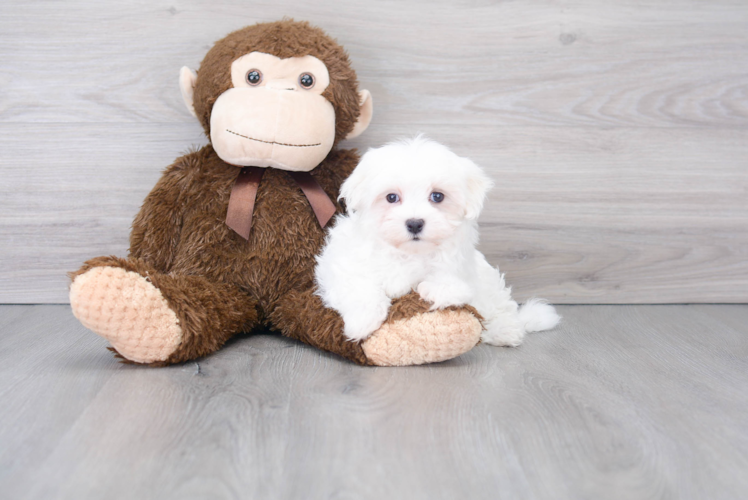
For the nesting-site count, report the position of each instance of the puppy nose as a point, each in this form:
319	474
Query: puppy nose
414	225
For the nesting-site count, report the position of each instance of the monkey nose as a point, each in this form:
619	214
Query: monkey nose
281	85
415	226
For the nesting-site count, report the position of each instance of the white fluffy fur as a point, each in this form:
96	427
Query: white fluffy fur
371	258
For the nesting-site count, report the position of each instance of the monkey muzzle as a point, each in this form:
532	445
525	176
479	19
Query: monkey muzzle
272	127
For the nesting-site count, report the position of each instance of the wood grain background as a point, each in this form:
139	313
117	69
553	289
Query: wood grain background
616	131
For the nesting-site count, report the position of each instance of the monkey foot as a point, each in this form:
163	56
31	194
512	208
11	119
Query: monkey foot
428	337
127	310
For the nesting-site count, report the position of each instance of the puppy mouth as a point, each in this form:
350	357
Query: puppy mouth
273	142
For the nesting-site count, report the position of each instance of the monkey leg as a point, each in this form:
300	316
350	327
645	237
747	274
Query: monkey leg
155	318
303	316
411	335
414	335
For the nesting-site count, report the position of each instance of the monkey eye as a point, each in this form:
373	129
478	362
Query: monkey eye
393	198
437	197
306	80
254	77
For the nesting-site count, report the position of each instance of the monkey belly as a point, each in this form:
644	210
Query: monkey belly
277	258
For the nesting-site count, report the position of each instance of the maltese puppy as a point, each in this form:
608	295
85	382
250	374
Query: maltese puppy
411	224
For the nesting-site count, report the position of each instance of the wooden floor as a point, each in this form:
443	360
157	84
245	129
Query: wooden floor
618	402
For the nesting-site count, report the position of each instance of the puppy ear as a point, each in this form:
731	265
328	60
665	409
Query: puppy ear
477	184
353	189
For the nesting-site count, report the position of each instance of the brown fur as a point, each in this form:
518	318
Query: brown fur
283	39
200	305
411	304
199	252
302	309
217	283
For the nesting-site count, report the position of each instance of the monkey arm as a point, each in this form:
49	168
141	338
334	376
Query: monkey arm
156	229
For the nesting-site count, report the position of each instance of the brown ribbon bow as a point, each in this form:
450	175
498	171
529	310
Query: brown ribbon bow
244	192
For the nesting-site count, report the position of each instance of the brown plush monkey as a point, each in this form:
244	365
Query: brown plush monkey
225	242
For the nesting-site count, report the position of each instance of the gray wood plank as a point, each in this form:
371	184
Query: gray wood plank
633	62
617	132
598	229
621	402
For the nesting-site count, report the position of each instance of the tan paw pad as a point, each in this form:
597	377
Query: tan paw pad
128	311
425	338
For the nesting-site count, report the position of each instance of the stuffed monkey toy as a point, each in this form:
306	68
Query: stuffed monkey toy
226	241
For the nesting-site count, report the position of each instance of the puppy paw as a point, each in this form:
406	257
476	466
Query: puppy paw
443	295
503	335
361	323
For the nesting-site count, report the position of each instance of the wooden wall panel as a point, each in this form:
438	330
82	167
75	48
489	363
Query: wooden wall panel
617	132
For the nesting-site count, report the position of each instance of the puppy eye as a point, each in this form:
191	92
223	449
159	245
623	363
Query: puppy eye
437	197
306	80
393	198
254	77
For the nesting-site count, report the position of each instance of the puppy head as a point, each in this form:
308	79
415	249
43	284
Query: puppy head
415	194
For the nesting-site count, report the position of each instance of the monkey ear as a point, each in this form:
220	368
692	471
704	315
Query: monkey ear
187	79
367	109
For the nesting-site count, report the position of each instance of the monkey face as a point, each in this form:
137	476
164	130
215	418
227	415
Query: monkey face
270	104
275	114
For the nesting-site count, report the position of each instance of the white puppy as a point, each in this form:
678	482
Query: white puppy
412	224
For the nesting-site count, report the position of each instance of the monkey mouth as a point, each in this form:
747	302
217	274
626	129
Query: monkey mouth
276	143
